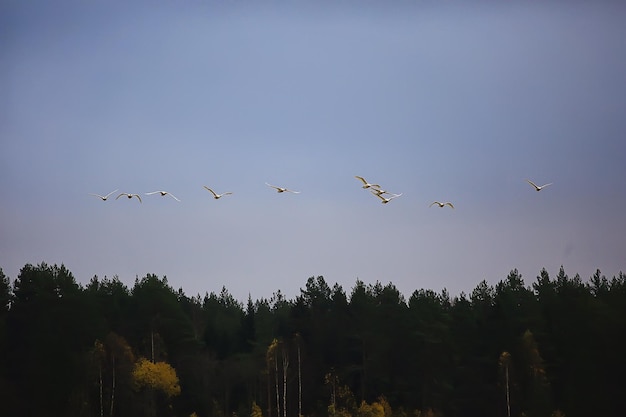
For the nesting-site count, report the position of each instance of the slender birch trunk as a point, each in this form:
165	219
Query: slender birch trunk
112	386
299	379
285	355
277	385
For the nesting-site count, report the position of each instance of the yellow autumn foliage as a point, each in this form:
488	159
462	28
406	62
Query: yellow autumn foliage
160	376
387	411
256	410
375	409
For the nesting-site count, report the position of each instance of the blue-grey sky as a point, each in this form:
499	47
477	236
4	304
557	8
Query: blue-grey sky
437	100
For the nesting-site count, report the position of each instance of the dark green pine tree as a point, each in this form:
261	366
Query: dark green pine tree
159	327
50	327
8	405
430	320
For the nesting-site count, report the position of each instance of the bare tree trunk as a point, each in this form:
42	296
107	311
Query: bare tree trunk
299	379
504	362
112	386
152	343
285	366
277	386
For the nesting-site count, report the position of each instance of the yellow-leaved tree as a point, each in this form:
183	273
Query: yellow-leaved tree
158	376
271	357
376	409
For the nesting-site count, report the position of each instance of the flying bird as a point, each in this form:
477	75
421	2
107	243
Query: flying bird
104	197
365	183
215	195
129	196
447	203
538	187
163	193
378	191
386	200
282	189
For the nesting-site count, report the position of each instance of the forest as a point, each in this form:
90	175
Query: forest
553	347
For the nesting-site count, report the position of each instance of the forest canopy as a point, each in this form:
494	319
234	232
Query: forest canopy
554	347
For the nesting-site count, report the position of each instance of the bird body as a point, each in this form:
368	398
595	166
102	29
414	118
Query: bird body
538	187
282	189
386	200
365	183
215	195
129	196
378	191
103	197
163	193
440	204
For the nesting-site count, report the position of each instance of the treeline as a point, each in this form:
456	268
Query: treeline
552	348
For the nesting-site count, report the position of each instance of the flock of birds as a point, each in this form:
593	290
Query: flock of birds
167	193
161	192
375	189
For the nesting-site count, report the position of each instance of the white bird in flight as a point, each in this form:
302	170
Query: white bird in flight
163	193
104	197
378	191
365	183
386	200
129	196
215	195
440	204
538	187
282	189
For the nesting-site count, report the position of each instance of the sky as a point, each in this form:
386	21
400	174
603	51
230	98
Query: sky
438	100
